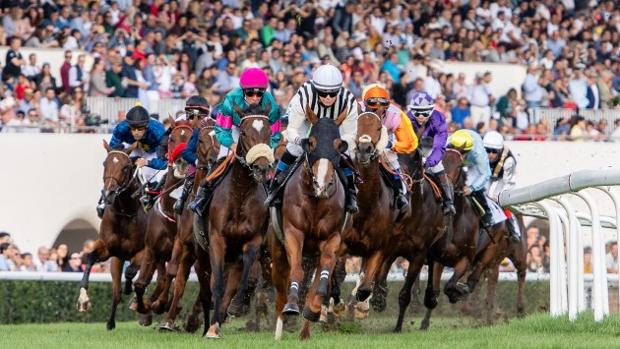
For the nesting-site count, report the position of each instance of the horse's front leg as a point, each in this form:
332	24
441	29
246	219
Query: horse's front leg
116	267
293	243
217	251
250	251
372	268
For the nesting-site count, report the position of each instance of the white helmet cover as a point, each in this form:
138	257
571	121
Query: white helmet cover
493	140
327	78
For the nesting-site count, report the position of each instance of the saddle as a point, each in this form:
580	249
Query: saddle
435	184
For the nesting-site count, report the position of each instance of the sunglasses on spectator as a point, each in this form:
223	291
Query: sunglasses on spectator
254	92
492	151
327	93
376	101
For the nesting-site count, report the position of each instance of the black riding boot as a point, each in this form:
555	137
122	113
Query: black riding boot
351	197
188	183
199	203
151	191
399	192
487	217
273	199
512	229
100	207
448	190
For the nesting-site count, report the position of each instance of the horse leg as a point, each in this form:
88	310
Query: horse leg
179	288
488	255
217	250
492	277
250	251
147	268
372	266
83	302
159	298
380	290
193	320
130	272
518	258
293	242
404	297
433	287
453	289
116	267
279	277
204	279
337	279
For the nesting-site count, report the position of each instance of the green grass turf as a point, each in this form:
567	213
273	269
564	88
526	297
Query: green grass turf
534	331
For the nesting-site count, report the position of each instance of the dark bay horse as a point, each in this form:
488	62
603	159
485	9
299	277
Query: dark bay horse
162	227
374	224
121	234
470	248
312	216
237	219
184	252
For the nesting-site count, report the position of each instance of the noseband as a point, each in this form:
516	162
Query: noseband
122	186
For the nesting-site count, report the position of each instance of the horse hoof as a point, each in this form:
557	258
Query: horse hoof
235	308
128	289
424	325
192	325
397	329
291	309
133	304
378	303
145	320
323	318
213	332
167	326
110	325
158	307
430	302
310	316
362	294
83	303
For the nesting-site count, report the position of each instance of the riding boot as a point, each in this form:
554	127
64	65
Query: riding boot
512	230
188	183
399	191
448	190
487	217
151	192
100	207
199	203
351	200
273	199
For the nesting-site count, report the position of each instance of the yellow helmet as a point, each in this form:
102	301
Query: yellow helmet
462	139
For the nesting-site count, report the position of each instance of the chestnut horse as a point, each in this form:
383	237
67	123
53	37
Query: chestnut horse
373	226
121	234
469	249
161	229
312	216
238	219
184	252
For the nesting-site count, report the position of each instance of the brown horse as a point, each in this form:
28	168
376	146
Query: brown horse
468	248
121	234
184	251
373	226
237	220
161	229
312	216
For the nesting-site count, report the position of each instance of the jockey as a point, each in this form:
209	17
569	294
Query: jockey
430	123
402	139
251	93
196	108
326	96
149	133
470	144
502	164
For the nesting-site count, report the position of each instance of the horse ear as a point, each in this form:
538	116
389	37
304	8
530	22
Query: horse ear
172	121
359	108
131	148
106	146
307	144
341	117
311	116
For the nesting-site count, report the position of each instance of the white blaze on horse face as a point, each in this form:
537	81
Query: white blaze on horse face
115	160
322	174
182	132
258	125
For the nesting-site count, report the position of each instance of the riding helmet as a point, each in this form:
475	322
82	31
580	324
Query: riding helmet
137	117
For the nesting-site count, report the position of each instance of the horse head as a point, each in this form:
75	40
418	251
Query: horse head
372	138
453	164
118	172
253	148
180	134
208	146
322	149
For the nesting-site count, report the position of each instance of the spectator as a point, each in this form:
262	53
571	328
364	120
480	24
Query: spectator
13	61
535	260
49	108
578	131
45	79
77	75
532	91
587	260
481	99
98	85
611	259
5	237
460	112
5	262
32	69
113	80
27	262
64	72
75	264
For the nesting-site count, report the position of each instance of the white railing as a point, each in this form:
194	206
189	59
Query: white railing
110	108
552	115
567	277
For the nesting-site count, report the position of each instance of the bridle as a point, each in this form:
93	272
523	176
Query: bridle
459	178
126	183
206	164
366	138
241	148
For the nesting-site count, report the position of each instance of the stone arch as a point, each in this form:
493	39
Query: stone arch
74	233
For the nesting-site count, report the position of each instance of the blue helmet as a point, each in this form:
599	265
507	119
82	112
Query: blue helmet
421	102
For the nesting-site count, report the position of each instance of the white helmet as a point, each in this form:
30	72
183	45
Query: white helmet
493	140
327	78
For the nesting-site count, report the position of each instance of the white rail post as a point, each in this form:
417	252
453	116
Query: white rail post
562	240
598	263
573	246
555	294
616	199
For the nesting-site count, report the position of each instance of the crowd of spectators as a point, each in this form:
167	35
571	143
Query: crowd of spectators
156	49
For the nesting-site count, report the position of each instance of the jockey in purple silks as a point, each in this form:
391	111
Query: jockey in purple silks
430	124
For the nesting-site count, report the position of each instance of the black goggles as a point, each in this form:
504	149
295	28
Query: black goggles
327	93
195	113
492	151
377	101
137	128
254	92
422	113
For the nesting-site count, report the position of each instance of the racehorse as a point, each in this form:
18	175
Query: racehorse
184	250
162	227
312	216
373	225
121	234
469	249
238	219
